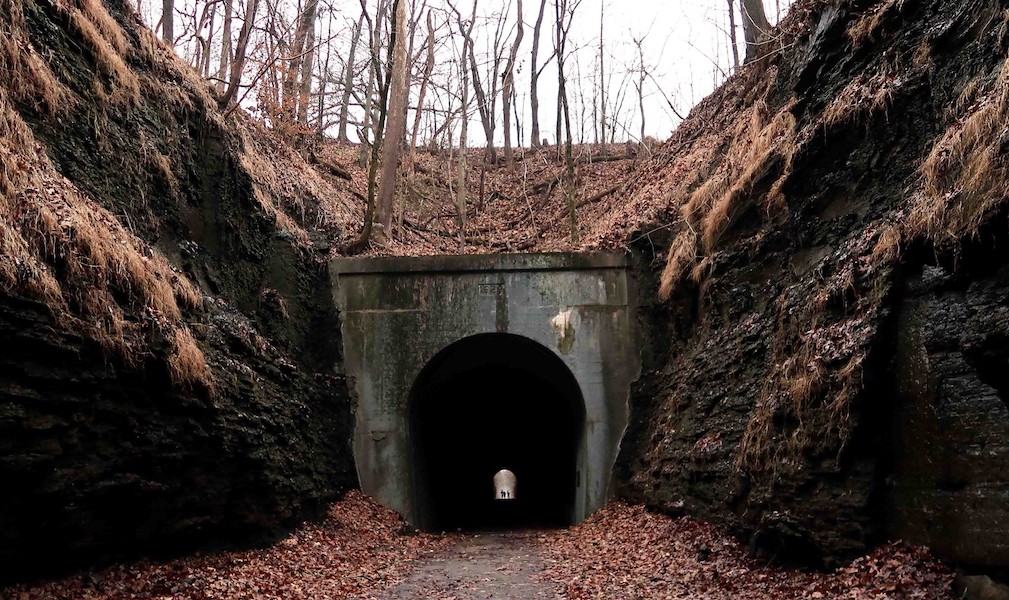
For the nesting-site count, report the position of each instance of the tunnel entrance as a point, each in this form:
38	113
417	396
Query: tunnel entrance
486	403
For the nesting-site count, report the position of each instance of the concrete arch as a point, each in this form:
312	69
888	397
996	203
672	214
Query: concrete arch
488	402
399	314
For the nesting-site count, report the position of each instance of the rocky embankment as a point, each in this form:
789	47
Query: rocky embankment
168	370
825	286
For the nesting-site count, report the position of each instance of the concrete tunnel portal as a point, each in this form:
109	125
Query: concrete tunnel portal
486	403
463	366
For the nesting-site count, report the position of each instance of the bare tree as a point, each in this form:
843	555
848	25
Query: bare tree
485	98
639	86
324	74
301	52
168	22
370	124
755	27
564	12
425	79
222	70
395	108
238	63
508	88
601	96
732	33
461	191
348	80
384	83
534	100
307	58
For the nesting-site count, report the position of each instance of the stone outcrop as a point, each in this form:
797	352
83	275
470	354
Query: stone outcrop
827	337
132	422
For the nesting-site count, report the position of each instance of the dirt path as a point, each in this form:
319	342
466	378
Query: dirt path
477	566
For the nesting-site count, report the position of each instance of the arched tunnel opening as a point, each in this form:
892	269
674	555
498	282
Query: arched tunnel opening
487	403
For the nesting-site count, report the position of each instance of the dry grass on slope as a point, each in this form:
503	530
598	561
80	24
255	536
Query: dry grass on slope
293	191
964	176
747	160
62	249
26	76
721	181
870	24
105	39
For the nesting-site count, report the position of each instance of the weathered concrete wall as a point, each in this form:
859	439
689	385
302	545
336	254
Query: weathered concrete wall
398	313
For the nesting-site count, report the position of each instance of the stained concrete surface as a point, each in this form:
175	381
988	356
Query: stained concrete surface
400	313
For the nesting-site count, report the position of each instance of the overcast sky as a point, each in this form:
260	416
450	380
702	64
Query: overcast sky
685	46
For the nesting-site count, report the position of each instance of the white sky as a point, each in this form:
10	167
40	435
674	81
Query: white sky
686	52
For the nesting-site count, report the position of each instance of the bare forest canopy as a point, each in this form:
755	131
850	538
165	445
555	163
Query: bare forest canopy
629	70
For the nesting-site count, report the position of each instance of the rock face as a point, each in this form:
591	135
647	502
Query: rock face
948	485
827	339
104	450
103	459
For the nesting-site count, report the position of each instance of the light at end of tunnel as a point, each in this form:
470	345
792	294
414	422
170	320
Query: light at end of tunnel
504	485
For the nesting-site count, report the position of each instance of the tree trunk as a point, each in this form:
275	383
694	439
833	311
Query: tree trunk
370	124
222	70
534	101
428	69
396	115
564	18
755	27
732	33
640	87
348	83
168	22
461	188
238	64
376	145
305	87
508	89
306	26
484	107
602	84
324	78
205	66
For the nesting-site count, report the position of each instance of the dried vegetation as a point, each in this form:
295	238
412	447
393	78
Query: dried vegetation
295	193
826	324
105	40
60	248
627	552
964	175
744	174
868	26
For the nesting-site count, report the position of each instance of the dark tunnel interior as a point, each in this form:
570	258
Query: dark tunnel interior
486	403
